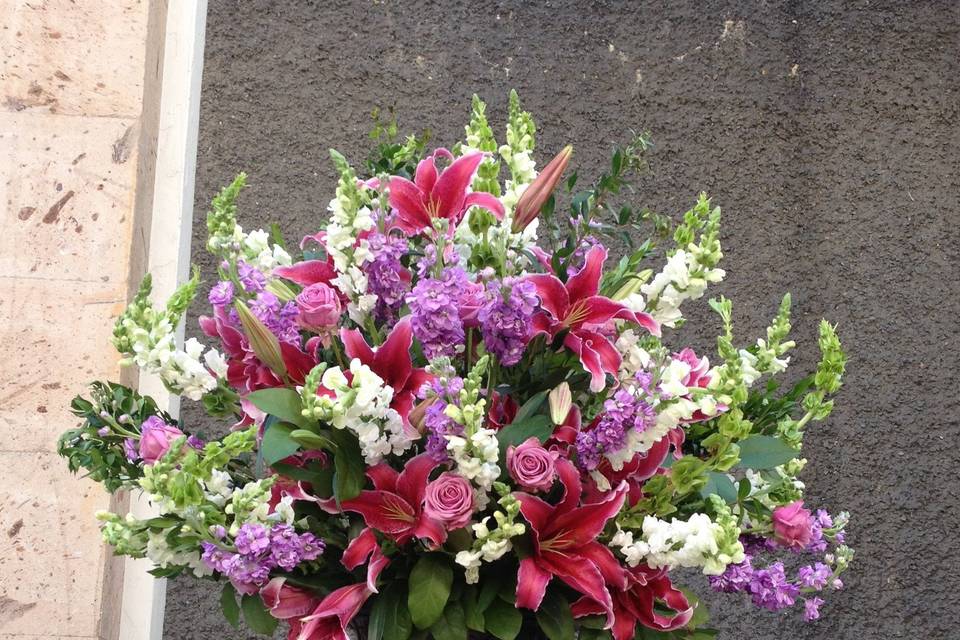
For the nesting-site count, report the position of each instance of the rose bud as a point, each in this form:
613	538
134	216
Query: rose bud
793	525
449	499
155	438
529	204
531	466
320	307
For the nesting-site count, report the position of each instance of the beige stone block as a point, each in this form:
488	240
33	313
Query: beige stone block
52	564
56	340
66	192
70	57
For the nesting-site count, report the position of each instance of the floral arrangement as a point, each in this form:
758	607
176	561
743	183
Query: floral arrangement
443	427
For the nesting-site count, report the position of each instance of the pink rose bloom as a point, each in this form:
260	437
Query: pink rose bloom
531	466
793	525
319	306
449	499
155	438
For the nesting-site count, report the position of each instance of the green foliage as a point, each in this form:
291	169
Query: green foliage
393	156
555	618
349	468
222	219
503	620
765	452
282	402
229	606
119	410
480	137
430	582
389	615
256	616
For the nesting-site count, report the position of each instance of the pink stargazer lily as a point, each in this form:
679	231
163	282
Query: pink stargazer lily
576	308
395	505
434	194
391	361
565	544
647	598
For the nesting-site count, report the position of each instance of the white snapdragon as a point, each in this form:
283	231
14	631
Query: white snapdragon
683	278
258	252
159	552
218	488
693	543
362	405
250	503
634	357
476	458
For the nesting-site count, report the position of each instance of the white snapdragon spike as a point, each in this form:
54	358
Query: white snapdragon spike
251	503
363	407
683	278
218	488
159	552
693	543
522	171
258	252
476	457
635	358
347	222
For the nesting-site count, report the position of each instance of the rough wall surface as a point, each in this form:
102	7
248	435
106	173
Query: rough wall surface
828	132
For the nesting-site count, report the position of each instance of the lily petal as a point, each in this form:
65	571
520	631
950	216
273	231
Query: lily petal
485	201
307	272
407	199
553	295
449	192
586	282
532	584
426	175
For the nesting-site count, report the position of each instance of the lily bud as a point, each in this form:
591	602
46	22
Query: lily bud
560	401
529	204
633	285
281	290
419	413
264	344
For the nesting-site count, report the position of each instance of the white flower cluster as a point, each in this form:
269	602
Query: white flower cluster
186	371
750	364
522	173
476	458
683	278
489	546
678	543
362	405
159	552
349	255
258	252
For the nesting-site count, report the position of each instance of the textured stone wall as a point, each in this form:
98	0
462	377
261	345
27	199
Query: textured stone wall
828	132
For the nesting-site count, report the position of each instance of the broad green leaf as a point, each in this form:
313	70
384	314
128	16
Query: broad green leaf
281	402
451	625
720	484
277	443
488	593
256	615
531	406
430	582
555	618
765	452
472	614
389	618
229	606
349	468
503	620
515	433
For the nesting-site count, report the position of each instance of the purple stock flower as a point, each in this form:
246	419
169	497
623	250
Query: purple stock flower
436	422
435	312
624	412
506	320
811	609
735	578
251	278
221	294
770	589
814	576
280	319
252	539
130	450
386	276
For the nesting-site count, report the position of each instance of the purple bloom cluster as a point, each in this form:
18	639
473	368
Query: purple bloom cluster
506	320
435	313
221	294
437	423
259	551
280	319
622	413
251	278
385	275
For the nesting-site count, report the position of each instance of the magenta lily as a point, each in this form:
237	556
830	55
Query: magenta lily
577	308
565	544
434	194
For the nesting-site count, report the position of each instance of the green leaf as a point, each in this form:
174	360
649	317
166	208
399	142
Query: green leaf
503	620
488	593
555	618
281	402
311	440
515	433
277	443
472	613
430	582
389	618
348	465
531	406
720	484
228	603
451	625
256	615
765	452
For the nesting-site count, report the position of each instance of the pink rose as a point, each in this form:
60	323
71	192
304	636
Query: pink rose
449	499
155	438
319	307
793	525
531	466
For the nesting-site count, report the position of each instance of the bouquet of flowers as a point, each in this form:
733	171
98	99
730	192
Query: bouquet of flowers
445	428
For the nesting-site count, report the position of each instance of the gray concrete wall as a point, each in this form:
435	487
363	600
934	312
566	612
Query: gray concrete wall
827	130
